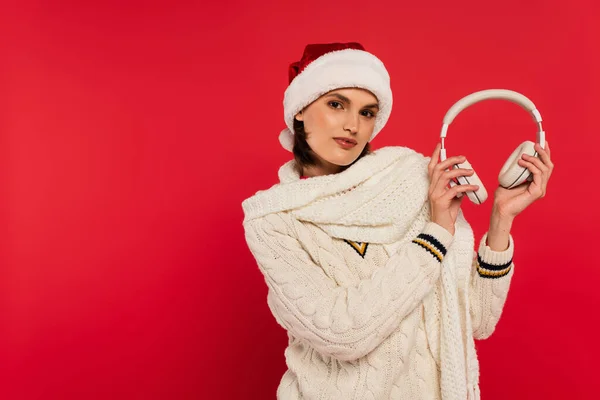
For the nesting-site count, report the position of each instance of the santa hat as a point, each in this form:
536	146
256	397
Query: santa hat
330	66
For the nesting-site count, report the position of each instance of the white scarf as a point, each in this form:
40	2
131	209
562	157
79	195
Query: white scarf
382	198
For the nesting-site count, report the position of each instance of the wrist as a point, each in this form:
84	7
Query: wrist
499	231
444	223
447	227
500	223
500	216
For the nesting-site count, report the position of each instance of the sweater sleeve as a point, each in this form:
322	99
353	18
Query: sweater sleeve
343	322
491	275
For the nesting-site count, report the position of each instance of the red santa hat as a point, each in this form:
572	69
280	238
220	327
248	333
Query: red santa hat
330	66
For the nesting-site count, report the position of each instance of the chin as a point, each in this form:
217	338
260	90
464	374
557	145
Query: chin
343	159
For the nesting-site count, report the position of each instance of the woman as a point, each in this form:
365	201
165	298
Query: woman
370	263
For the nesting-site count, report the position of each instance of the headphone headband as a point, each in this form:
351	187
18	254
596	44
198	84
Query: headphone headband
502	94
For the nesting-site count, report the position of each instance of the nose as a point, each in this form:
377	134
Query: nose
351	123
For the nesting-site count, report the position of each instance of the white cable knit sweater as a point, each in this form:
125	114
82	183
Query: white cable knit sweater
378	301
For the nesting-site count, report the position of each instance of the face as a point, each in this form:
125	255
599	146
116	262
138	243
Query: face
338	126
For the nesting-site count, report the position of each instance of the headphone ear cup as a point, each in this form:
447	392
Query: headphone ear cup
478	196
512	174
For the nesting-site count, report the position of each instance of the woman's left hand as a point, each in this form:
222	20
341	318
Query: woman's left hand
509	203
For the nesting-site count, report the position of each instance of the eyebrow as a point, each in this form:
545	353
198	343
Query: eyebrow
347	100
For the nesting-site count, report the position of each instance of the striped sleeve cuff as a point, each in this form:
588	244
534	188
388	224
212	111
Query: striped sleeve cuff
435	240
494	264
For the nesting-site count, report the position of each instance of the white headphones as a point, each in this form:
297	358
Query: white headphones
511	174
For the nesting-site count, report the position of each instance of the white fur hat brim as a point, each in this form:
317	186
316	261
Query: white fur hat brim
348	68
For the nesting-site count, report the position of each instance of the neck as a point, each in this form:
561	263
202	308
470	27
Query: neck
321	169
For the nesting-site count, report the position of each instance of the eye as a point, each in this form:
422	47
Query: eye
368	114
335	104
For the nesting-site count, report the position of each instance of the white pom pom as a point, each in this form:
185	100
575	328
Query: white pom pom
286	138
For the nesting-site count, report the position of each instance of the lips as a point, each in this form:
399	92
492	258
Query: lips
346	143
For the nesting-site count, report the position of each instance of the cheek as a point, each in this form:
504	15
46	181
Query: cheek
331	119
326	119
322	125
369	132
367	129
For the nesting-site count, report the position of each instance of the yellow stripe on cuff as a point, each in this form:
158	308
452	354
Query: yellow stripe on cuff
492	274
430	247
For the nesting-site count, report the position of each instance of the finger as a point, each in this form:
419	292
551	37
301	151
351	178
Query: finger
434	159
544	155
456	172
447	176
536	161
449	162
537	177
443	166
546	171
443	180
460	189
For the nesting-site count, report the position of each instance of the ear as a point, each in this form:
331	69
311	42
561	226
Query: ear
299	116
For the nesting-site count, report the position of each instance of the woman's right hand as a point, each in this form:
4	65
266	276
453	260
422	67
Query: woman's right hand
443	200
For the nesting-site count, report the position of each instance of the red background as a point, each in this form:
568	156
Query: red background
132	131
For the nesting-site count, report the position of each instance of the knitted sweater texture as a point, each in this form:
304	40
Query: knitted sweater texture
378	301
